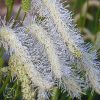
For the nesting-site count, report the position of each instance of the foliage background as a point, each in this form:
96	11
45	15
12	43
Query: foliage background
88	21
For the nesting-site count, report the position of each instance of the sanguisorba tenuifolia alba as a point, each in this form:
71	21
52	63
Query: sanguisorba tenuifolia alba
62	18
48	51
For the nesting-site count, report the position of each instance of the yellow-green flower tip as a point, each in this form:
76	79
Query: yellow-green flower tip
26	5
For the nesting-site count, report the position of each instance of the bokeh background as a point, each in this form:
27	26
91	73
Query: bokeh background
86	14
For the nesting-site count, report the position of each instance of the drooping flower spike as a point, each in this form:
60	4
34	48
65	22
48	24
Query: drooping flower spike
12	43
59	20
61	72
63	19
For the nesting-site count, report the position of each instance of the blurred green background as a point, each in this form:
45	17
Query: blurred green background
87	17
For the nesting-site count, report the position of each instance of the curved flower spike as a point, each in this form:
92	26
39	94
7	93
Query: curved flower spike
10	41
63	20
56	64
41	35
58	14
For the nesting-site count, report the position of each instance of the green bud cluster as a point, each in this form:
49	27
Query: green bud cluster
26	5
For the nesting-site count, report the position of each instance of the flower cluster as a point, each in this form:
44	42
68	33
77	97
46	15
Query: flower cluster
48	51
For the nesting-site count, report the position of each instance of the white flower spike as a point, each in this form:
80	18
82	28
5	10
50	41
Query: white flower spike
10	41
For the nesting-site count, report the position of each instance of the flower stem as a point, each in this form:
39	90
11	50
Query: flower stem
16	18
23	18
55	94
9	12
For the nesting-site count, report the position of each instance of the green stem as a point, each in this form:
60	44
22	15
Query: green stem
55	94
16	18
69	98
9	12
74	4
11	89
80	3
17	91
90	97
84	19
96	20
23	19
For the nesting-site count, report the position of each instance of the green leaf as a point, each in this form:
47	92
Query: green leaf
1	61
5	83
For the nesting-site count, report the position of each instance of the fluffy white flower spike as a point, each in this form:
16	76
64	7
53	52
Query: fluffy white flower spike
63	20
11	42
60	27
41	34
61	71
